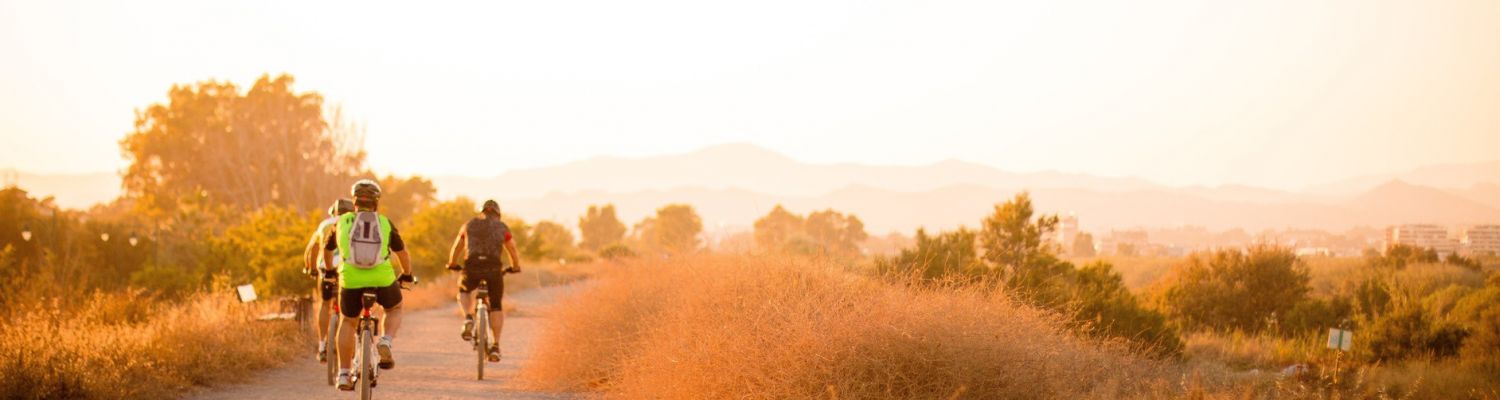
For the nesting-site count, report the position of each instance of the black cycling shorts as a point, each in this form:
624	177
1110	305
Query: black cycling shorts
326	289
349	299
496	284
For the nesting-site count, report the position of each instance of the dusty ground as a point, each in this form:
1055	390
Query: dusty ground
431	361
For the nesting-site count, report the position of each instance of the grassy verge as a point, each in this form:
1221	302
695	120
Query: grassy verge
746	327
127	346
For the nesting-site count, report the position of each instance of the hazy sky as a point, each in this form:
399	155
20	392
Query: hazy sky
1279	93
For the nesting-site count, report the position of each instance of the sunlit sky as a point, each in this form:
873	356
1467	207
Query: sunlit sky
1282	93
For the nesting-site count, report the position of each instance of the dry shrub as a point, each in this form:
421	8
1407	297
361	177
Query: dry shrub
127	346
746	327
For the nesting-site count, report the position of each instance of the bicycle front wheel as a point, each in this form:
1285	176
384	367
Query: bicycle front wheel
366	364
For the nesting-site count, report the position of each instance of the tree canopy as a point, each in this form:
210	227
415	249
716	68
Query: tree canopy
674	228
267	145
600	228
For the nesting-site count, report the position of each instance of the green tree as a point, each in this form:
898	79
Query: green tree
674	228
1230	289
1400	255
1103	307
836	233
430	233
777	228
268	145
1410	332
556	240
937	256
531	247
600	228
267	248
400	198
1083	245
1012	241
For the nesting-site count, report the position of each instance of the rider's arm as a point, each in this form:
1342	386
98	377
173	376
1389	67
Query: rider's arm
313	252
460	245
328	247
405	259
510	247
398	247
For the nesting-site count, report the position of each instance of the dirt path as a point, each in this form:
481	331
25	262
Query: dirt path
431	361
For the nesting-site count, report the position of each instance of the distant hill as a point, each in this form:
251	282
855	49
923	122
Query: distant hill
1484	193
752	168
1447	176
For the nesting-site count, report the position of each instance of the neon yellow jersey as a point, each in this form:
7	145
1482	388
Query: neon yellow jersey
353	277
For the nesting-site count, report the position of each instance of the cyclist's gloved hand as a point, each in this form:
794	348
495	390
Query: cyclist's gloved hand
455	267
514	269
407	278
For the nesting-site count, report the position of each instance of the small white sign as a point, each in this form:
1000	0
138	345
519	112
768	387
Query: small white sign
246	292
1340	339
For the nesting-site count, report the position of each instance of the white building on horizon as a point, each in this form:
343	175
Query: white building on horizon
1425	236
1481	239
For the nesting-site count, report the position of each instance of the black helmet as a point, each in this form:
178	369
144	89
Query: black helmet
365	189
490	206
340	207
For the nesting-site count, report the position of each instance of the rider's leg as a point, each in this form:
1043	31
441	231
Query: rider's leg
466	302
392	321
346	343
390	301
323	320
497	322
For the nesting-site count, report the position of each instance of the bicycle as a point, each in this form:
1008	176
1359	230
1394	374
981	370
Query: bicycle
482	323
364	350
365	359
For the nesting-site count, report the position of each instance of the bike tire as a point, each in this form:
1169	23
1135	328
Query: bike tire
482	338
331	346
366	366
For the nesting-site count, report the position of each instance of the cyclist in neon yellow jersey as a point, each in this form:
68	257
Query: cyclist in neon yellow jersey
365	241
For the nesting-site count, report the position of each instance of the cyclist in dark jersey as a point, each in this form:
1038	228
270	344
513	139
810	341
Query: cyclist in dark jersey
481	242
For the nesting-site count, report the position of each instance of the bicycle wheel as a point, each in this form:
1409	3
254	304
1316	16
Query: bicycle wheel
481	337
331	346
366	366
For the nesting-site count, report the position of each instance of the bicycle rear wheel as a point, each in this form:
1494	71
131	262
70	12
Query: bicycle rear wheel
366	364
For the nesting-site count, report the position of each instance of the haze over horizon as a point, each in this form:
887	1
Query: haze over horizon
1278	94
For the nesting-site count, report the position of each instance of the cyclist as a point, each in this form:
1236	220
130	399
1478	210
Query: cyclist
365	264
482	240
314	266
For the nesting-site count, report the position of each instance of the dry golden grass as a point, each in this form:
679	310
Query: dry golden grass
747	327
1244	351
126	346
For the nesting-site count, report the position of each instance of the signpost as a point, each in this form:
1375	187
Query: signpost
1339	339
246	292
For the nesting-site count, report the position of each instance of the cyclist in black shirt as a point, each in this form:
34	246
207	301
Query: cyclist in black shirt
481	242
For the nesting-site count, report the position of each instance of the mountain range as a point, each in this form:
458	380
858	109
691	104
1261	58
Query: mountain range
732	185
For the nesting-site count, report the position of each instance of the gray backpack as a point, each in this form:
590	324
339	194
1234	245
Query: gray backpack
365	242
